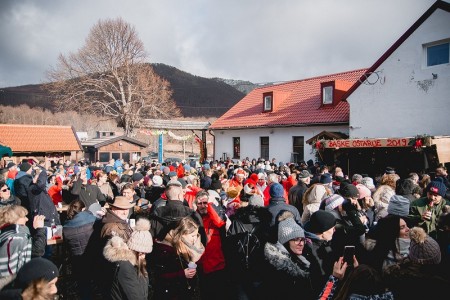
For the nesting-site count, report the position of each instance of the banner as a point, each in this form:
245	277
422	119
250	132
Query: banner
367	143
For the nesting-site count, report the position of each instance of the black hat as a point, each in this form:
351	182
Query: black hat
320	221
137	176
24	167
348	190
10	164
36	268
216	185
326	178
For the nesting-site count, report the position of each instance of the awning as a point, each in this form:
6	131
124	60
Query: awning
5	151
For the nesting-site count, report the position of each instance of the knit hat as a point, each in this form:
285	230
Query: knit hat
333	201
437	186
325	178
24	167
157	180
363	191
368	182
276	190
172	174
141	239
232	192
423	249
288	229
216	185
399	206
349	191
137	176
36	268
256	200
304	174
320	221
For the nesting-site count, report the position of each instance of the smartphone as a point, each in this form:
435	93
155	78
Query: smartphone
349	252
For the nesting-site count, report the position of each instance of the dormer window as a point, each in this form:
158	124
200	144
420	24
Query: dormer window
327	95
267	102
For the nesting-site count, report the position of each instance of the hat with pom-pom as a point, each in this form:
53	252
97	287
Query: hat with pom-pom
141	239
423	249
288	229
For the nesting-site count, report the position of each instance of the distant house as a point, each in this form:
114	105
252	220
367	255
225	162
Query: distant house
275	121
107	145
400	107
41	142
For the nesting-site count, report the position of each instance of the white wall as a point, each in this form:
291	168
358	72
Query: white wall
406	100
280	141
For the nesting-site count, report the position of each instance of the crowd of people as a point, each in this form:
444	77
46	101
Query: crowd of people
247	229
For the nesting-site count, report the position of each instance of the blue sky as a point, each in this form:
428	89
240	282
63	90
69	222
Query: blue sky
255	40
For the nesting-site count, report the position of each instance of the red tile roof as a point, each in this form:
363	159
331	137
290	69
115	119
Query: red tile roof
39	138
301	107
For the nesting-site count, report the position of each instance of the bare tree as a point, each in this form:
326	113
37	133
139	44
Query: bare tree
109	77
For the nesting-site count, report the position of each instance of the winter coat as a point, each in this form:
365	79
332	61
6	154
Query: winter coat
126	282
419	206
55	191
78	231
165	218
312	199
279	204
153	193
114	226
40	201
21	184
285	276
295	195
170	280
88	193
213	259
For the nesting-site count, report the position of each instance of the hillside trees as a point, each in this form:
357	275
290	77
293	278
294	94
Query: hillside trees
109	77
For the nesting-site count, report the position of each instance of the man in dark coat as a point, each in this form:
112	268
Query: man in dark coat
88	193
22	183
295	195
277	203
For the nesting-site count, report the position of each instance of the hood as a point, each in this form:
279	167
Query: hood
117	250
11	200
21	174
278	257
80	219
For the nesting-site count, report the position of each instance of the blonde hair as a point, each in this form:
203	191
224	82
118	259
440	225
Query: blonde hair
186	226
10	214
390	180
37	290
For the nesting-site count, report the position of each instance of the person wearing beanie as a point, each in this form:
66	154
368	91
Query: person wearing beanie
128	266
287	269
419	276
368	182
277	203
22	184
366	203
319	230
398	206
426	211
35	280
154	192
295	194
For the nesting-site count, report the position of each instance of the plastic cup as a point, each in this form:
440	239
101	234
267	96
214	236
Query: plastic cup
192	265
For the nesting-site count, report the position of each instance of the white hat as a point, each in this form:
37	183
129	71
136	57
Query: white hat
157	180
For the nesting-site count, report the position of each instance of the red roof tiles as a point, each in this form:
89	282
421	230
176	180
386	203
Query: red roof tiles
39	138
301	106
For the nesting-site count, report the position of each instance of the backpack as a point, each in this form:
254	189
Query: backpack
244	242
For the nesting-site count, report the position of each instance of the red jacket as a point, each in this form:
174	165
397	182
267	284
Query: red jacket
212	259
191	192
55	191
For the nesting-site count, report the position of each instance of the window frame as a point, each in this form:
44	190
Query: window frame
236	147
326	87
299	155
428	46
268	98
264	147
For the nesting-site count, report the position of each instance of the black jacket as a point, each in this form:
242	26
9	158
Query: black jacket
295	195
88	193
78	231
21	186
40	201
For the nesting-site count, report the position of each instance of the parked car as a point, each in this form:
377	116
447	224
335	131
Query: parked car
151	156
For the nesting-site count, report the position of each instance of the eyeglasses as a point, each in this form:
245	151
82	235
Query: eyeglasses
299	240
5	190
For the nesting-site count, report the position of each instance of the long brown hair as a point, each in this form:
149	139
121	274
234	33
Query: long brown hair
186	226
75	207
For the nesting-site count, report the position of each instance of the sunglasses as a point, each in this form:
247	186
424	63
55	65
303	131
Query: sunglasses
5	190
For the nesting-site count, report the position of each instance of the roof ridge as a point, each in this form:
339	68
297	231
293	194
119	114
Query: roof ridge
29	125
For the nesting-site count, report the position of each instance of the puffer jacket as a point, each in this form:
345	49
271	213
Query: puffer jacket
78	231
40	201
125	282
21	185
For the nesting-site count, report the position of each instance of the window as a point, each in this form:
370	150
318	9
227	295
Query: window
327	95
438	54
115	155
236	147
264	141
103	156
126	157
298	146
268	102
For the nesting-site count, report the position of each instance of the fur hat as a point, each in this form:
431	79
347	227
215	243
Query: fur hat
320	221
399	206
363	191
276	190
333	201
437	186
368	182
423	249
24	167
349	191
121	202
325	178
36	268
141	239
157	180
288	229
